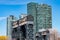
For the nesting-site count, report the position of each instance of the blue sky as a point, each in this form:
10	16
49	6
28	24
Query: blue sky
17	7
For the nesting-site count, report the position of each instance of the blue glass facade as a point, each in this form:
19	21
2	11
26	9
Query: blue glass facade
42	15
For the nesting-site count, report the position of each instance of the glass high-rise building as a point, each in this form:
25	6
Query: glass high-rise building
10	19
42	14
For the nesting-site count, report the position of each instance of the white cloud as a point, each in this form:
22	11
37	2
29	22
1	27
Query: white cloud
2	18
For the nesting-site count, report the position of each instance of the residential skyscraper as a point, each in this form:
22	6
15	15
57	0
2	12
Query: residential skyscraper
10	19
42	15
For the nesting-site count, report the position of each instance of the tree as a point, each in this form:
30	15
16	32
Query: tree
3	38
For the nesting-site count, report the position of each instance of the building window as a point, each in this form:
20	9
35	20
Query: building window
15	29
